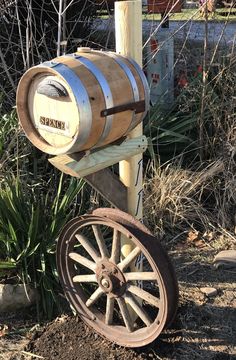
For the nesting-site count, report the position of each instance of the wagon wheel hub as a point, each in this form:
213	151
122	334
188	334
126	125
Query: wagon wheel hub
111	279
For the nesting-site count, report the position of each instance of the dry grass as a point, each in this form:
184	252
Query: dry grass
201	193
175	196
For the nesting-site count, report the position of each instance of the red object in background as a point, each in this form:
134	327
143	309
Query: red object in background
164	6
199	71
182	80
154	45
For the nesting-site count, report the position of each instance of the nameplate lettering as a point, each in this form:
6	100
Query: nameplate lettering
52	123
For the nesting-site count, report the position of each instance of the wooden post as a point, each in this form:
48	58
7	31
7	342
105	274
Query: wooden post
128	31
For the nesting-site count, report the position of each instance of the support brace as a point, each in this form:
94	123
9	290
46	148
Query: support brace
93	168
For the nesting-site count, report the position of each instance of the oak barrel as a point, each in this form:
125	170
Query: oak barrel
81	101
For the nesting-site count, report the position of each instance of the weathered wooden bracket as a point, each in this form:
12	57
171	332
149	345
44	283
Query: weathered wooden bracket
93	166
110	187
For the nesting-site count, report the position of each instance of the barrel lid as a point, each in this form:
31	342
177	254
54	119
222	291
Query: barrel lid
53	110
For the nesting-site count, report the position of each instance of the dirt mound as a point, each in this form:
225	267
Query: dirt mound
68	338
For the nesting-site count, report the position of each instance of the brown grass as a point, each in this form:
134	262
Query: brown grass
175	196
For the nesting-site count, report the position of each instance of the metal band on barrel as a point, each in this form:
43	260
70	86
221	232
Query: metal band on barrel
106	93
81	97
145	84
128	72
119	60
140	73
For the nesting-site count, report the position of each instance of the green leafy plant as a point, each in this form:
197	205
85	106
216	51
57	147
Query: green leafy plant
31	218
170	131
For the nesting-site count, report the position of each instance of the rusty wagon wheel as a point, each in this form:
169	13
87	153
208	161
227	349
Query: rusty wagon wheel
102	287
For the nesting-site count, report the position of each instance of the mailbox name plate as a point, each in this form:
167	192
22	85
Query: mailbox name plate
53	126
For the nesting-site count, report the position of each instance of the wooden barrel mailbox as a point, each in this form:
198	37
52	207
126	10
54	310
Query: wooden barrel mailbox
81	101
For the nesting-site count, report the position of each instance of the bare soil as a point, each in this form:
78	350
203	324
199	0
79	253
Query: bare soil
205	327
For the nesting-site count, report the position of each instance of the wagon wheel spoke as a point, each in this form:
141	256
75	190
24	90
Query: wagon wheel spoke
109	310
115	251
129	259
145	295
132	276
85	278
100	241
94	297
138	309
125	314
83	260
88	247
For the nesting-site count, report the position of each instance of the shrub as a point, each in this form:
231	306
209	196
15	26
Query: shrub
31	218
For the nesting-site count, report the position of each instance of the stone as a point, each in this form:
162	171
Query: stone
225	259
14	297
209	291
